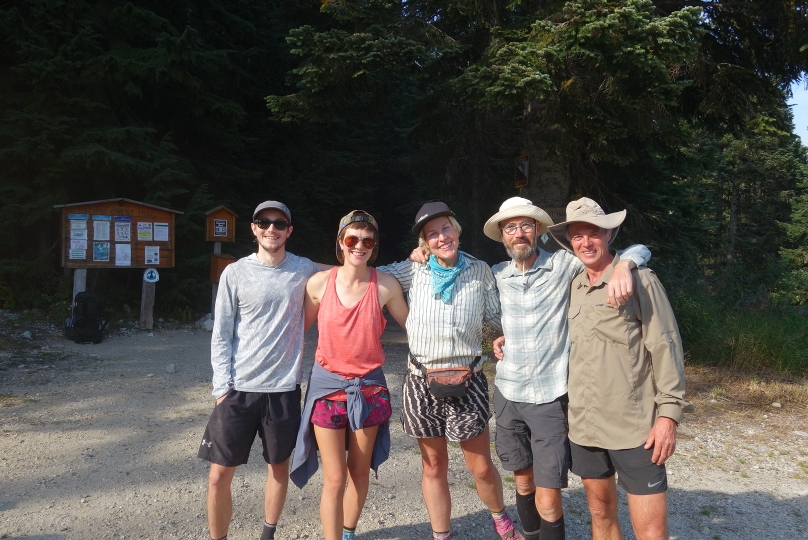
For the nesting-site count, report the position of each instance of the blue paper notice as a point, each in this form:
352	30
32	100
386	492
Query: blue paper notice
100	251
77	216
122	218
102	218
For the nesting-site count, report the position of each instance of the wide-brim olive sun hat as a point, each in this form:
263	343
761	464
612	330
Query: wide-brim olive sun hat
585	210
516	207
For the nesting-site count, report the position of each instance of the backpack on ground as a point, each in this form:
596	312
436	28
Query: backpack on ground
86	322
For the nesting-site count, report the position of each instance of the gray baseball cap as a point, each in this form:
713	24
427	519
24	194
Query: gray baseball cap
274	205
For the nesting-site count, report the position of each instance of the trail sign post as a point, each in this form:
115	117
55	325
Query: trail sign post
220	226
521	171
117	233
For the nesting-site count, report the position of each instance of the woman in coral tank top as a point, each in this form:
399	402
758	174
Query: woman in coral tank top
347	392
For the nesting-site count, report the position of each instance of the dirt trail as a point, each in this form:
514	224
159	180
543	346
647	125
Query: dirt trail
99	441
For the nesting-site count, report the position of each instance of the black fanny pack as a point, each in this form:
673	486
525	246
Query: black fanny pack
447	382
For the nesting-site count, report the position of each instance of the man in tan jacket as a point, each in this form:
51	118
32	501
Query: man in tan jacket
626	380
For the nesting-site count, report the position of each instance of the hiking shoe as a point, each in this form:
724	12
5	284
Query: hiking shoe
505	529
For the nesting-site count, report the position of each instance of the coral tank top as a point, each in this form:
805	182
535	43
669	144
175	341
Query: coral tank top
350	338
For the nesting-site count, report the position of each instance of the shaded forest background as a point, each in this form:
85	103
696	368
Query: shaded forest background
675	110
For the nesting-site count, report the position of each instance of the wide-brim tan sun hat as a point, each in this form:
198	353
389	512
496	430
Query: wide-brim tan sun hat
585	210
515	207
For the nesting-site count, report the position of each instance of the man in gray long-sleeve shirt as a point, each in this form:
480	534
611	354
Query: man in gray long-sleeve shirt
256	354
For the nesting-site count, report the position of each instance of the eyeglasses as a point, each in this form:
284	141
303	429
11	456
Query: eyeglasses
526	227
280	224
351	241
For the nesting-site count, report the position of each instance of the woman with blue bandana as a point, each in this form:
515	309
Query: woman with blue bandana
449	297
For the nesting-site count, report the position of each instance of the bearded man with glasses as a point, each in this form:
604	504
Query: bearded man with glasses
530	398
257	359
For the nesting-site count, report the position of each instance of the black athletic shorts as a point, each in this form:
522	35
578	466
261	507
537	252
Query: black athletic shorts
636	473
231	430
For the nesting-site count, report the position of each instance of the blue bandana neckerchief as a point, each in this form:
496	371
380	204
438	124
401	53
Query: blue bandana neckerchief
443	279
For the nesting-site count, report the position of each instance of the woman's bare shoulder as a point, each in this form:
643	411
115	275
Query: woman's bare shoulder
387	281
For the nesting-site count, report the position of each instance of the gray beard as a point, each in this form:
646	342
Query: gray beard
523	254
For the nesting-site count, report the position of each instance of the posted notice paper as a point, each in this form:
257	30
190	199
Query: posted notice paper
152	255
144	231
101	230
123	255
123	231
161	232
101	250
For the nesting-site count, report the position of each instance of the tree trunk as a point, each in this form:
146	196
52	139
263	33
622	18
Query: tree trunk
733	223
477	175
549	183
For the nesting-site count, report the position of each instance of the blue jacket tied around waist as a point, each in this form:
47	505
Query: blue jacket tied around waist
322	383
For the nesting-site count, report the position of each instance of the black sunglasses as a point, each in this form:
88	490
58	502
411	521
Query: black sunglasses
280	224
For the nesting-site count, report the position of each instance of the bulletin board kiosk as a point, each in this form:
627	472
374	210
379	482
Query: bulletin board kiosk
220	226
118	233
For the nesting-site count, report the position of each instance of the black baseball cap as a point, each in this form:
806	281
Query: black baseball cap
430	211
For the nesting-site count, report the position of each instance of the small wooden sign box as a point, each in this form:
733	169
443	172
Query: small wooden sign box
220	226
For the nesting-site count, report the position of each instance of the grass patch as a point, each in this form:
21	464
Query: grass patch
509	480
769	338
9	400
759	391
744	475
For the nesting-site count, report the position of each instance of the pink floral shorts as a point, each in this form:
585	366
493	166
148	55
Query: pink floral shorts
334	414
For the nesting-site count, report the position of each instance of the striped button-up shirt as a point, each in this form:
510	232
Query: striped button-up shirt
448	334
534	321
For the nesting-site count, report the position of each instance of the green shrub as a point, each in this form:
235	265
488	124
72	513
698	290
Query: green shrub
771	337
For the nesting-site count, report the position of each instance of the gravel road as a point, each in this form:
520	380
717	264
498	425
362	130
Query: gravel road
100	441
